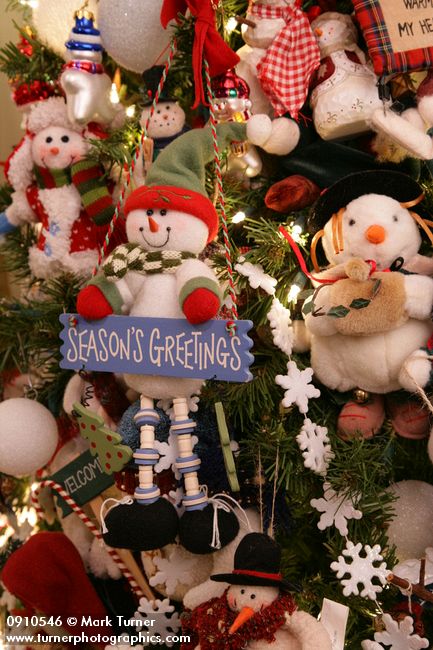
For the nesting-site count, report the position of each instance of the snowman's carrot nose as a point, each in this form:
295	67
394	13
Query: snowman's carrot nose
54	150
153	226
244	615
375	234
318	32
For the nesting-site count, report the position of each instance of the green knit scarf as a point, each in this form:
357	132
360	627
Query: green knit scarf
132	257
88	178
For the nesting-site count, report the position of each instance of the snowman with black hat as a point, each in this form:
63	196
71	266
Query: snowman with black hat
370	321
257	611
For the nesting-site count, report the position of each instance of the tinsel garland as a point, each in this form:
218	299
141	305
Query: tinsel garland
209	623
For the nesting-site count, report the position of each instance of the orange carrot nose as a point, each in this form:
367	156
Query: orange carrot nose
318	32
54	150
244	615
153	226
375	234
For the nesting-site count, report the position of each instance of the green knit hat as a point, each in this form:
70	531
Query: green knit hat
176	180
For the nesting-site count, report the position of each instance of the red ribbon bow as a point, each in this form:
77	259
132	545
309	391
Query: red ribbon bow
207	41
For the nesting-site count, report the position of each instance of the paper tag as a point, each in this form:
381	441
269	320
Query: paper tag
334	618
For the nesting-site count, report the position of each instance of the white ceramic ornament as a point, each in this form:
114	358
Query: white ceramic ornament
28	436
411	529
132	32
53	19
346	93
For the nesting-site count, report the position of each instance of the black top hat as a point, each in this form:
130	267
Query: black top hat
396	185
152	77
256	563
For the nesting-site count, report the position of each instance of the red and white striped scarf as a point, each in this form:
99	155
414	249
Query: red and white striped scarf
290	61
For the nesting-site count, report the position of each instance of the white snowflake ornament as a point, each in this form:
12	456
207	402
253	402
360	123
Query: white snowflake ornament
173	570
257	278
336	509
371	645
281	326
361	570
158	611
298	387
167	405
168	452
316	450
399	635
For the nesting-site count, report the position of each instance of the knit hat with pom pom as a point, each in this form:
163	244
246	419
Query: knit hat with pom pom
176	180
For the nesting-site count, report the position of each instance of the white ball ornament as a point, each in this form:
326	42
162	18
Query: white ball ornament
28	436
53	21
132	33
411	529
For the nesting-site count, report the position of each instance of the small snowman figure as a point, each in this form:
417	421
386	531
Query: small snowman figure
345	90
168	120
170	220
256	612
87	86
279	57
369	323
54	184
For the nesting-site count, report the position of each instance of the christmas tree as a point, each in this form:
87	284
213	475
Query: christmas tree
319	176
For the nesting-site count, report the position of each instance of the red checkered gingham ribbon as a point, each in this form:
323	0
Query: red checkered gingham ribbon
286	70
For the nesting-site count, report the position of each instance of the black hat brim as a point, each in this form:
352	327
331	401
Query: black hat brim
254	581
396	185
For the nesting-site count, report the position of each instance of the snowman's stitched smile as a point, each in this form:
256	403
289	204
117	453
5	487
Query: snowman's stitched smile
156	245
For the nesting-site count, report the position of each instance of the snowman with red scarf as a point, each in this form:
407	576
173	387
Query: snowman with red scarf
257	611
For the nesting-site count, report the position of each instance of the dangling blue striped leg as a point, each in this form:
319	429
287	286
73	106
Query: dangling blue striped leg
146	457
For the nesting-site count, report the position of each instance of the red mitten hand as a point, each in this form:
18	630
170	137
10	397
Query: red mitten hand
92	304
200	306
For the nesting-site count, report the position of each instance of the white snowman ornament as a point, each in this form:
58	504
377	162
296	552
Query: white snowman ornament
158	274
279	56
369	327
87	86
345	90
54	184
257	594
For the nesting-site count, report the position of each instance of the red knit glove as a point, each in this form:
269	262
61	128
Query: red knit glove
200	306
92	304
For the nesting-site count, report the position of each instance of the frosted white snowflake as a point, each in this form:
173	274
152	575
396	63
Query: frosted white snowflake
361	570
176	497
280	322
399	635
168	452
316	450
257	277
158	611
173	570
298	387
336	509
167	405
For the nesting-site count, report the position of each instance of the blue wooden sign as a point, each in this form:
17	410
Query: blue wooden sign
157	346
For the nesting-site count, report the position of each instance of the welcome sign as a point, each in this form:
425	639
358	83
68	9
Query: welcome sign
157	346
398	33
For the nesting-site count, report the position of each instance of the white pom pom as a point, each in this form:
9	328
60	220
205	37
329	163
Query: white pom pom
284	137
28	436
259	129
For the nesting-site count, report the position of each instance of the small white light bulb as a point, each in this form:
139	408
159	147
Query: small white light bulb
231	25
130	111
238	217
296	232
114	95
293	293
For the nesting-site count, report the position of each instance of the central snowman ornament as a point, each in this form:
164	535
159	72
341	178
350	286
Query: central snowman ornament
158	274
370	320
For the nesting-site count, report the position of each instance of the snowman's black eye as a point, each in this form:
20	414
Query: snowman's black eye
395	218
167	108
65	138
252	596
49	139
242	591
158	111
163	213
352	222
149	213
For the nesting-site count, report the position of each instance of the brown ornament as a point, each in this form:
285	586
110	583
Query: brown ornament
293	193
